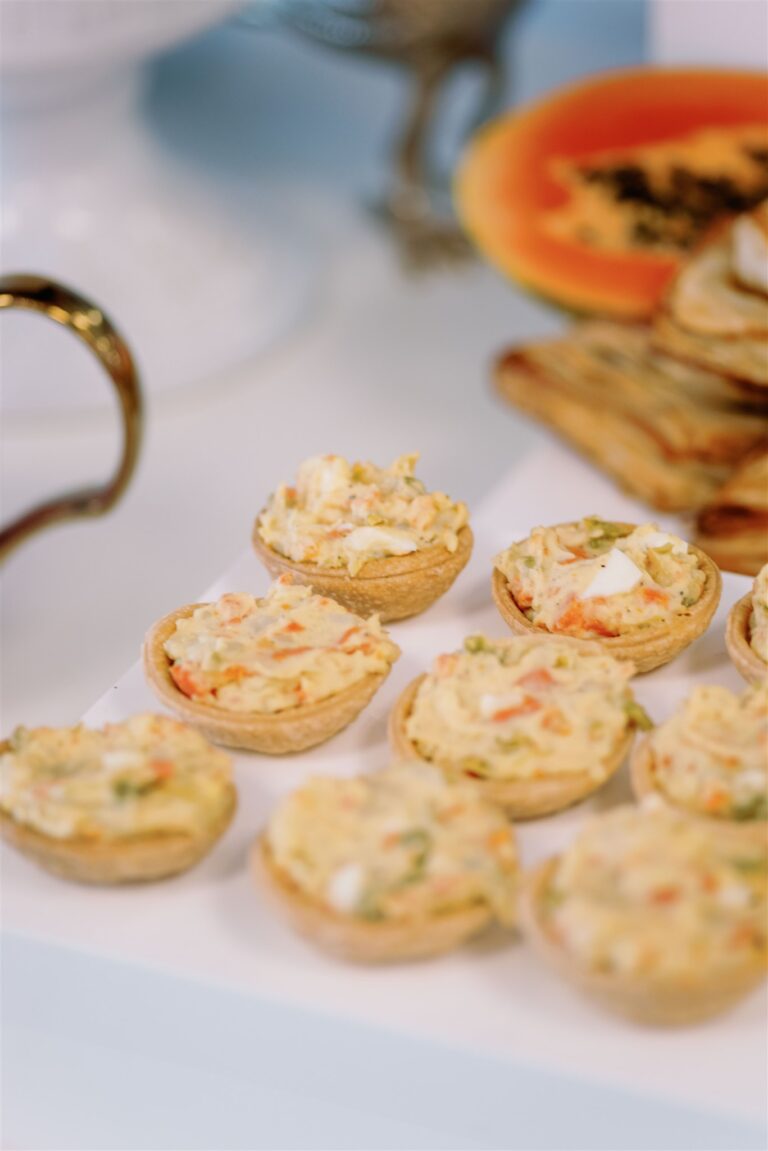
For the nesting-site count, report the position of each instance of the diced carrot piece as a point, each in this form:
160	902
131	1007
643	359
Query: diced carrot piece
294	625
663	895
653	595
498	838
527	707
286	652
163	768
185	680
348	633
538	679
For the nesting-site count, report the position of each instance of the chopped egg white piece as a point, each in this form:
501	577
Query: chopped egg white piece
663	539
490	704
345	887
617	575
389	540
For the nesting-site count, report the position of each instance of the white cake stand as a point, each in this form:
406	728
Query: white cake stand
196	284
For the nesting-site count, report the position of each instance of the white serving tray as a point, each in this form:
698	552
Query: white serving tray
492	997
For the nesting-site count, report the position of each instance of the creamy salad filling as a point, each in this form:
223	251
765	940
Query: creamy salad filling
523	709
758	619
711	757
289	649
148	775
401	843
595	578
340	514
646	892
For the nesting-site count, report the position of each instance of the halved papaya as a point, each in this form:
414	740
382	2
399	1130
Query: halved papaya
593	195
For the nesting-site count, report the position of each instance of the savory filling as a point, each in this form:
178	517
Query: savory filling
711	757
146	776
267	655
523	709
661	197
401	843
758	619
340	515
647	893
597	578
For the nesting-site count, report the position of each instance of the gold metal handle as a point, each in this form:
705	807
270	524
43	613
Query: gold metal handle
91	325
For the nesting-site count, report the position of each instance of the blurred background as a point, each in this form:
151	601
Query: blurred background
258	195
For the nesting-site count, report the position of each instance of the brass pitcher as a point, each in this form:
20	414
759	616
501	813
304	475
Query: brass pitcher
87	321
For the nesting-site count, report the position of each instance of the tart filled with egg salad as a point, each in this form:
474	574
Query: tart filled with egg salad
710	760
399	864
137	800
643	593
373	538
652	915
746	633
537	726
275	674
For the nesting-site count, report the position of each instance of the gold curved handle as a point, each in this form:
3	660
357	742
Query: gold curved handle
92	326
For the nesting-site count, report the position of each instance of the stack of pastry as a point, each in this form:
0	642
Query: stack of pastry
676	411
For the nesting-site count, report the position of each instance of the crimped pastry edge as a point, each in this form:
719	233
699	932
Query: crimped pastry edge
754	832
653	647
354	939
743	656
395	587
138	859
658	1002
295	729
521	799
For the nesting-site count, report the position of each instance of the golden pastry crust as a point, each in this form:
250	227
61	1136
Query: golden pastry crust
741	358
282	733
656	1000
644	784
520	798
651	647
394	587
138	859
737	640
356	939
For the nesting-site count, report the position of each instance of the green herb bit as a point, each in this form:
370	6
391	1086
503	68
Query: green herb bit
475	643
529	561
756	808
689	601
130	788
606	529
552	898
637	715
755	865
412	482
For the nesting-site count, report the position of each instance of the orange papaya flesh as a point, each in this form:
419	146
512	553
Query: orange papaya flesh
512	187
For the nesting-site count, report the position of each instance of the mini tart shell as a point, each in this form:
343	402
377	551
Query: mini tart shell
292	730
651	647
358	940
394	587
519	798
737	632
129	859
661	1001
644	783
